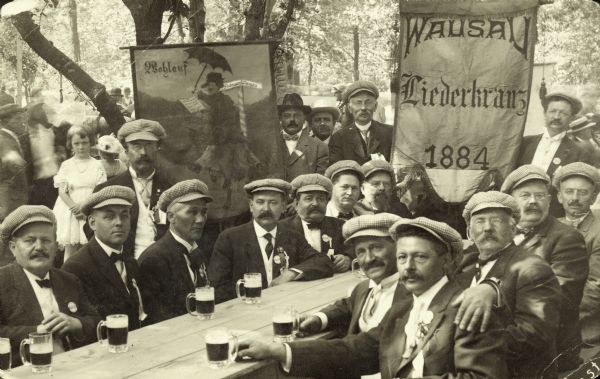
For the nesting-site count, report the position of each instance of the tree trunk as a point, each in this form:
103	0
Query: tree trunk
277	30
254	20
30	32
310	54
356	52
197	20
74	31
180	31
147	17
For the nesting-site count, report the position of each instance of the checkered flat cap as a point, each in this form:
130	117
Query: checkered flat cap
376	165
375	225
490	199
358	87
277	185
24	215
110	195
141	129
576	169
183	192
342	166
523	174
311	182
441	231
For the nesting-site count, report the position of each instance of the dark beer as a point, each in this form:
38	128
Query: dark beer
253	292
5	356
283	325
217	349
205	306
205	300
41	359
117	327
117	336
40	354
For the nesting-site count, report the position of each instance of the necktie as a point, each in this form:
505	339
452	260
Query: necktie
288	137
269	247
371	304
44	283
145	191
482	262
345	216
314	225
193	266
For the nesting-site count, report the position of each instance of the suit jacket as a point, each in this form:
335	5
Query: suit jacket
237	252
165	280
347	143
330	226
102	282
567	152
20	312
564	249
590	302
447	350
531	297
311	156
159	185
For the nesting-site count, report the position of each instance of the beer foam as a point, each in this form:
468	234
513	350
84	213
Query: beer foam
282	318
41	348
114	323
217	338
252	282
202	294
4	348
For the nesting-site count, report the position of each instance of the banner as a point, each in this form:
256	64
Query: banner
465	72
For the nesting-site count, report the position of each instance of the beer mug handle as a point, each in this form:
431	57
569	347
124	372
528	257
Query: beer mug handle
296	317
187	303
26	341
354	264
233	354
237	288
99	332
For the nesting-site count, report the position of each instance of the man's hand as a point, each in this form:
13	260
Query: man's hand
60	323
286	276
341	263
260	350
475	307
309	325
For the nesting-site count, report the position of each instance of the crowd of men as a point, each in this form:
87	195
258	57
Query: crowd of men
519	298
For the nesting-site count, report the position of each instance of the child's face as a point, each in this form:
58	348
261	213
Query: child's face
80	146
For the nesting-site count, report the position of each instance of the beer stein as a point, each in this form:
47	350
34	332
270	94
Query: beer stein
286	322
204	303
252	287
221	347
5	354
40	352
357	270
117	328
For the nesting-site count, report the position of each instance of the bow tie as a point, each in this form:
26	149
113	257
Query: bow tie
345	216
114	257
523	231
288	137
314	225
44	283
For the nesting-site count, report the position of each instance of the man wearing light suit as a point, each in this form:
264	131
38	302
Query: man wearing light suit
35	296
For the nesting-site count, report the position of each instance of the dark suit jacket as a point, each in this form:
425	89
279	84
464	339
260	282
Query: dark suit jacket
330	226
103	284
567	152
447	350
20	312
311	156
164	279
532	299
159	185
347	143
237	252
564	249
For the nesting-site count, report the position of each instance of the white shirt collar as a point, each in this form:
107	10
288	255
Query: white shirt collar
185	243
386	282
291	135
107	249
135	176
31	276
556	138
260	231
427	296
363	128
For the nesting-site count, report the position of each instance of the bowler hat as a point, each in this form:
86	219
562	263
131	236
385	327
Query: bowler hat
293	101
213	77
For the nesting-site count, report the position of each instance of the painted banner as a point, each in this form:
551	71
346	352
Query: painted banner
465	70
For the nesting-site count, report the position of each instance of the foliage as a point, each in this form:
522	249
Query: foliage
8	59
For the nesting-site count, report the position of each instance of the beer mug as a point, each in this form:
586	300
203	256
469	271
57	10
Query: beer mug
252	287
5	354
40	352
357	271
117	327
285	322
221	347
204	303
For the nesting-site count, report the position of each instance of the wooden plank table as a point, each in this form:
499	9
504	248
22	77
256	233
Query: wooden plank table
176	348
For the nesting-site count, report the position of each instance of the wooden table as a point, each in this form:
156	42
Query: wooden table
175	348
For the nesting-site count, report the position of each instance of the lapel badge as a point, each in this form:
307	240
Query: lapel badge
277	260
556	161
72	307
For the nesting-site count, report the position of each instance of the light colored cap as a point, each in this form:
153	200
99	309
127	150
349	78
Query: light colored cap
372	225
183	192
524	174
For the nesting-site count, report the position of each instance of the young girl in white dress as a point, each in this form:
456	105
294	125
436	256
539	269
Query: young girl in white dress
75	181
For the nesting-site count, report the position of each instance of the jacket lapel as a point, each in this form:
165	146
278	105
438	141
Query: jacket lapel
362	291
254	258
302	147
27	299
374	140
106	267
356	141
586	224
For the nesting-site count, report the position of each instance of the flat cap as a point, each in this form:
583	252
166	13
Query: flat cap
345	165
375	225
109	144
375	165
141	129
553	96
311	182
576	169
182	192
439	230
357	87
23	215
110	195
488	200
277	185
523	174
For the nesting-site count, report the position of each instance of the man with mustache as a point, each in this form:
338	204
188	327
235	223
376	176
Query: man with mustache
323	118
531	294
35	296
346	177
169	268
577	185
301	153
363	138
109	277
311	193
378	190
562	246
141	139
262	245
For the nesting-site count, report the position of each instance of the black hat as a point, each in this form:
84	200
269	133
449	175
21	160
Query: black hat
116	92
213	77
291	101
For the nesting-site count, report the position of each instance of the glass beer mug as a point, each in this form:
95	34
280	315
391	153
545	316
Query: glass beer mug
221	347
204	303
357	270
117	328
252	287
40	352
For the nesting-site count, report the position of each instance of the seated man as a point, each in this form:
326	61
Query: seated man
167	270
261	245
311	193
35	296
420	343
109	276
346	177
378	190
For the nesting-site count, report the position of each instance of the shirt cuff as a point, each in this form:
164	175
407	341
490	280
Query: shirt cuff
323	318
287	366
299	272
